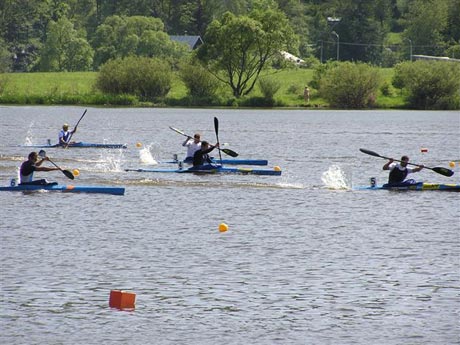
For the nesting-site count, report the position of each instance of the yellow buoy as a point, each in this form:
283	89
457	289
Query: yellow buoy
452	164
138	145
76	172
276	168
223	227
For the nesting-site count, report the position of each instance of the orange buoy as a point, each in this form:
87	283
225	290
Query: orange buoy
122	299
223	227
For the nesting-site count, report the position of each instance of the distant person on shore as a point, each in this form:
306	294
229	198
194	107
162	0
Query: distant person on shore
306	95
32	164
201	156
192	145
398	172
65	134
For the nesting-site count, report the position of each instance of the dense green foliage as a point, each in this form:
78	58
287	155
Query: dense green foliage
238	48
119	37
269	86
147	78
243	40
429	84
65	49
375	31
349	85
201	85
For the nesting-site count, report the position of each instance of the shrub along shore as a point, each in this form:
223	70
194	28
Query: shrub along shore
79	88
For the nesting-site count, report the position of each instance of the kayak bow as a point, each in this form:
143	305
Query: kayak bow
65	188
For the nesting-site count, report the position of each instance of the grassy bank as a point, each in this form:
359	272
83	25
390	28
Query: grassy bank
78	88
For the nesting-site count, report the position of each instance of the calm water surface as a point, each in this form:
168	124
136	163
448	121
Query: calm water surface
306	260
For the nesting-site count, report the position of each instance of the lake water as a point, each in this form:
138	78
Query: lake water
306	260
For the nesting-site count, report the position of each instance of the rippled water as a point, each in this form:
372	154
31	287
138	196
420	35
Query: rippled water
306	260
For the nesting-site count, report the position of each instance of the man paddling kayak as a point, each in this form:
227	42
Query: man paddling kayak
398	172
65	135
201	156
192	145
26	172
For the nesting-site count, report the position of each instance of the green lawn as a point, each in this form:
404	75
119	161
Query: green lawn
78	88
46	83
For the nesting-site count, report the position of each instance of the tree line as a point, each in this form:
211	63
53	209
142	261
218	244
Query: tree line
82	35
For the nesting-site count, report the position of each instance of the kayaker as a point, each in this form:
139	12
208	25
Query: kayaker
398	172
201	156
26	172
65	134
192	145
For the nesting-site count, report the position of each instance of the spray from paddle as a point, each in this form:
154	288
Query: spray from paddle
335	178
145	156
110	161
30	134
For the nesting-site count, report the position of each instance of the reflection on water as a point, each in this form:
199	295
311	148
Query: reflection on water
303	260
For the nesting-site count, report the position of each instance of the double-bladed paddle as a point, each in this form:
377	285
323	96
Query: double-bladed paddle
439	170
226	151
67	173
75	128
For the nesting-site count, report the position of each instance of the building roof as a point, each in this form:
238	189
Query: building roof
192	41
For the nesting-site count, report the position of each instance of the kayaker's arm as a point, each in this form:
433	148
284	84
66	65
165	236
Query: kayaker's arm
45	169
40	168
186	141
212	147
40	162
417	169
387	164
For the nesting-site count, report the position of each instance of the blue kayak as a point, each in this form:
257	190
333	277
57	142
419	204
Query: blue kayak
80	145
228	161
64	188
211	169
419	186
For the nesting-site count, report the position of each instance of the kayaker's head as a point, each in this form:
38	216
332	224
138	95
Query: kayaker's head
65	126
33	156
204	145
196	138
404	161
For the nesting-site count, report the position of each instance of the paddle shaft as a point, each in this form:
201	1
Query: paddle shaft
75	128
67	173
439	170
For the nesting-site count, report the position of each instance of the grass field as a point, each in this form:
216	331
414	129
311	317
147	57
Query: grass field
46	83
78	88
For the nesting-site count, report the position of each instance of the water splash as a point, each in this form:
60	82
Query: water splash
146	156
110	161
335	178
29	137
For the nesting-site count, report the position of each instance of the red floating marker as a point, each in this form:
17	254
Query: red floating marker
423	149
122	299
